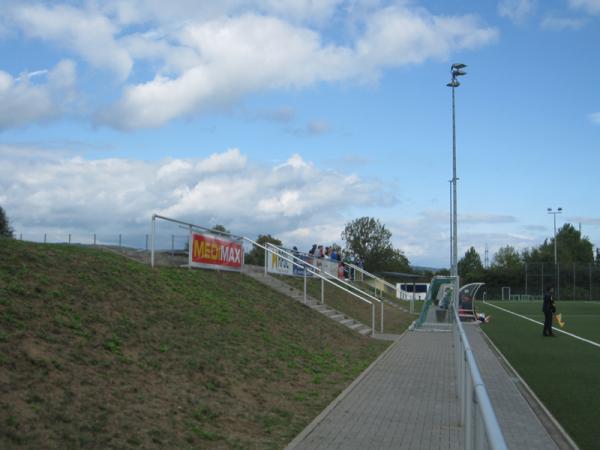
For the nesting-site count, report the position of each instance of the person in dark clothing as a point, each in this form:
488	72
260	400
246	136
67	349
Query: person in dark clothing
548	308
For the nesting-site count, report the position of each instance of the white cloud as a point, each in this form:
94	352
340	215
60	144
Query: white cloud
557	23
24	100
595	118
86	33
517	10
117	195
589	6
215	63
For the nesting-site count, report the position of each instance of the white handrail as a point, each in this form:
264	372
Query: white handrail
336	279
478	415
360	269
155	216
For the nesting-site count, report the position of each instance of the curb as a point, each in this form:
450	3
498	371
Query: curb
317	420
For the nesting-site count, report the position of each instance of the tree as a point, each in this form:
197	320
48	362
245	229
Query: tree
257	254
220	228
571	248
368	238
5	228
507	258
470	267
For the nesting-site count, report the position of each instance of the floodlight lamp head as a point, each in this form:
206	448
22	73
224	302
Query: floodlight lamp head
458	66
549	209
453	84
559	209
458	73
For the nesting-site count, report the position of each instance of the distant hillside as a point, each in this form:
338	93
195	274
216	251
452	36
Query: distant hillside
98	351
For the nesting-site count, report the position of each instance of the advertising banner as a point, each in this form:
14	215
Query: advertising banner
276	262
221	253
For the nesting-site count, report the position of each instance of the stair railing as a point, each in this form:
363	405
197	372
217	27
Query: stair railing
343	284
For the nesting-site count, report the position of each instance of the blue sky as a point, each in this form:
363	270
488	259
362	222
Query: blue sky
292	118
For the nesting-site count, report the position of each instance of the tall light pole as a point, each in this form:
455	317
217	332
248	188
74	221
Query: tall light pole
554	213
456	71
451	236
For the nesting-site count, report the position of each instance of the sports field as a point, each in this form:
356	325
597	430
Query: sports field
564	371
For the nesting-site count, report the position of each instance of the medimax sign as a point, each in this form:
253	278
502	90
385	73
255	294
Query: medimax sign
216	253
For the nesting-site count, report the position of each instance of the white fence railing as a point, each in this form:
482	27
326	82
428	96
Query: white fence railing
307	268
481	427
314	269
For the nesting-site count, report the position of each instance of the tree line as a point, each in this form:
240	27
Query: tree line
513	268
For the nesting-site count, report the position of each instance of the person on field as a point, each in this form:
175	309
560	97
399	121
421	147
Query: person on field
548	308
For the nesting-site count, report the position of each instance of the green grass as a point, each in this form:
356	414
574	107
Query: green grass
100	351
564	372
395	321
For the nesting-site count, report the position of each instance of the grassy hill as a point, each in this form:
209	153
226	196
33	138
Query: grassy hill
98	351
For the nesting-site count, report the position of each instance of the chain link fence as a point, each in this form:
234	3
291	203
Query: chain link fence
573	281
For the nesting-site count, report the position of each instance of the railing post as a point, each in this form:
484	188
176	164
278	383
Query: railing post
382	315
373	319
323	291
479	428
305	284
153	232
469	413
266	256
94	238
44	238
69	238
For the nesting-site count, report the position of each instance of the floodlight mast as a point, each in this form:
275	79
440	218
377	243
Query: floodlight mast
456	71
556	273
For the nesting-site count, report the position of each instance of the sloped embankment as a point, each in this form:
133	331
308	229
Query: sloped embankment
98	351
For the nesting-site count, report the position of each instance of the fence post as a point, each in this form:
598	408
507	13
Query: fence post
44	238
69	238
557	281
573	281
146	242
525	278
382	313
323	290
94	238
590	268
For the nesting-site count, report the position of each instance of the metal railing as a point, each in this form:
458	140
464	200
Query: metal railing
478	417
341	284
302	265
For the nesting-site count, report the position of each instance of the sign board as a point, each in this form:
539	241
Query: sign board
210	252
278	261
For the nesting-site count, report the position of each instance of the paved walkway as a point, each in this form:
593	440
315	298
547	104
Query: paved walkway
407	400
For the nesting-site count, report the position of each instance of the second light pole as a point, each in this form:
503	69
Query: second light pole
556	273
456	70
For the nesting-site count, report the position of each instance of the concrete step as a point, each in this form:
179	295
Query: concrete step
365	331
338	317
347	322
356	326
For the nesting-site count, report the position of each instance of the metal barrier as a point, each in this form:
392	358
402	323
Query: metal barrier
302	265
314	270
478	417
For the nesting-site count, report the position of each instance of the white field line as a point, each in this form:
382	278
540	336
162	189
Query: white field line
540	323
